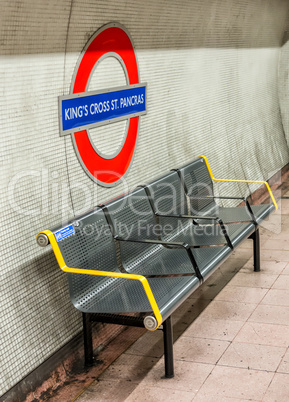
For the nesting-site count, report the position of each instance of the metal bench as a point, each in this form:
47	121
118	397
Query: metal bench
134	260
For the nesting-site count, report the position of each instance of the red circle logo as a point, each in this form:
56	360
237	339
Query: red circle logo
111	40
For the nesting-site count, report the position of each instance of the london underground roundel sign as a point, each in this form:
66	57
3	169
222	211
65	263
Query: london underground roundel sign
83	109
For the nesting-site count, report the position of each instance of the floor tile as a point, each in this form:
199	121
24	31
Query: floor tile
208	291
219	277
199	350
241	294
275	244
277	297
283	235
283	203
278	390
246	244
231	382
187	313
273	225
284	365
147	394
150	344
189	376
233	265
282	282
192	307
252	356
214	329
264	334
275	255
267	267
271	314
130	368
284	207
99	391
253	280
285	270
223	310
285	221
216	398
242	253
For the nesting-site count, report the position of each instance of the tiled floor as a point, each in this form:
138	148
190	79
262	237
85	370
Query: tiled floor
236	347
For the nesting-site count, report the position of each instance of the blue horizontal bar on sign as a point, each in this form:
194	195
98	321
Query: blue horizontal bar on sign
91	109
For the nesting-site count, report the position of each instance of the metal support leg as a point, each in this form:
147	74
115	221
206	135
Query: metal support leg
87	337
256	247
168	348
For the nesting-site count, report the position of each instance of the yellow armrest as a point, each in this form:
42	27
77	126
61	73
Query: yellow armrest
240	181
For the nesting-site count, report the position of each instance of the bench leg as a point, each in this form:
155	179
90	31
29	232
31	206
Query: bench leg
87	337
168	348
256	247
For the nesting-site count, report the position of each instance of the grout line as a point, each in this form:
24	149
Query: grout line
282	360
201	386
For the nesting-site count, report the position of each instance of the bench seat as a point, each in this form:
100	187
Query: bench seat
240	214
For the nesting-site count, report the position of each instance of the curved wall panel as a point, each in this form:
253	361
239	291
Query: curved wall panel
284	84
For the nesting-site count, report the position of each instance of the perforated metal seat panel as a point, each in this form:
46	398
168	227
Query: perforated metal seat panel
132	216
241	214
168	195
205	235
125	296
210	258
198	183
91	247
145	259
118	296
176	294
176	261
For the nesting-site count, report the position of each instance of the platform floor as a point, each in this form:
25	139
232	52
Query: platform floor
235	347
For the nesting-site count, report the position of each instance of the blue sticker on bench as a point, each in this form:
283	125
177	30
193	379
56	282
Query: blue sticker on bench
65	232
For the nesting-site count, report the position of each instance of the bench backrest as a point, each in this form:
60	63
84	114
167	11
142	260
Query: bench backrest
131	214
168	197
90	247
132	217
198	183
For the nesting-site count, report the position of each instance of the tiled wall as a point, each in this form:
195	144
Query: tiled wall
211	68
283	80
